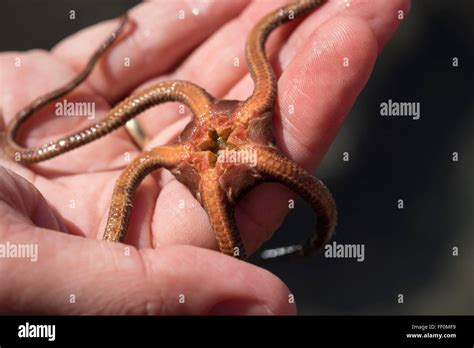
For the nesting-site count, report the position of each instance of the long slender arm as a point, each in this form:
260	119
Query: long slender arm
221	215
274	167
264	94
19	153
193	96
122	199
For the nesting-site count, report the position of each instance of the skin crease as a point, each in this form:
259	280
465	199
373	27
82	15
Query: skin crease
151	281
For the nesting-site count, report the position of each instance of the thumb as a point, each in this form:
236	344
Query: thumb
23	199
76	275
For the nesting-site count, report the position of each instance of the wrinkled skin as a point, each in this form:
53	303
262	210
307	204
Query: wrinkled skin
314	81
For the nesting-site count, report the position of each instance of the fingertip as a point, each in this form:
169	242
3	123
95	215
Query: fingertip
282	302
210	283
320	85
392	15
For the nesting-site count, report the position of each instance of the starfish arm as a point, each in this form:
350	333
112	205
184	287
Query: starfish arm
274	167
11	147
147	161
193	96
198	100
263	97
221	215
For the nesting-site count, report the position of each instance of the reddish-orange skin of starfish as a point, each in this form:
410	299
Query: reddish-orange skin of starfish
242	127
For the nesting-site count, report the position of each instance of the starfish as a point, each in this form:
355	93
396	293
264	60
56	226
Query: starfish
227	149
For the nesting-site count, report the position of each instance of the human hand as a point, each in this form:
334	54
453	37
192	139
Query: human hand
115	278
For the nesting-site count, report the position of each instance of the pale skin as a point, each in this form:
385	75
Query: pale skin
78	185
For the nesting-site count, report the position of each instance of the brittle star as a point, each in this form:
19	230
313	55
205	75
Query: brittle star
239	126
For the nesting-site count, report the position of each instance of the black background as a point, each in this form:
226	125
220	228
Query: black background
408	251
132	330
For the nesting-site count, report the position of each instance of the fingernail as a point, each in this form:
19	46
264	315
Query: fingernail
240	307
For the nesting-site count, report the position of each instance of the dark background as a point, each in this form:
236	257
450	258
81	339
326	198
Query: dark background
407	251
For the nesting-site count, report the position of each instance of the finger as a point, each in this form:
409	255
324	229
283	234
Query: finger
74	275
27	203
175	210
82	209
383	18
313	105
160	33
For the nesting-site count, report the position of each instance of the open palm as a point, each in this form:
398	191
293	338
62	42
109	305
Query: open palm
316	90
